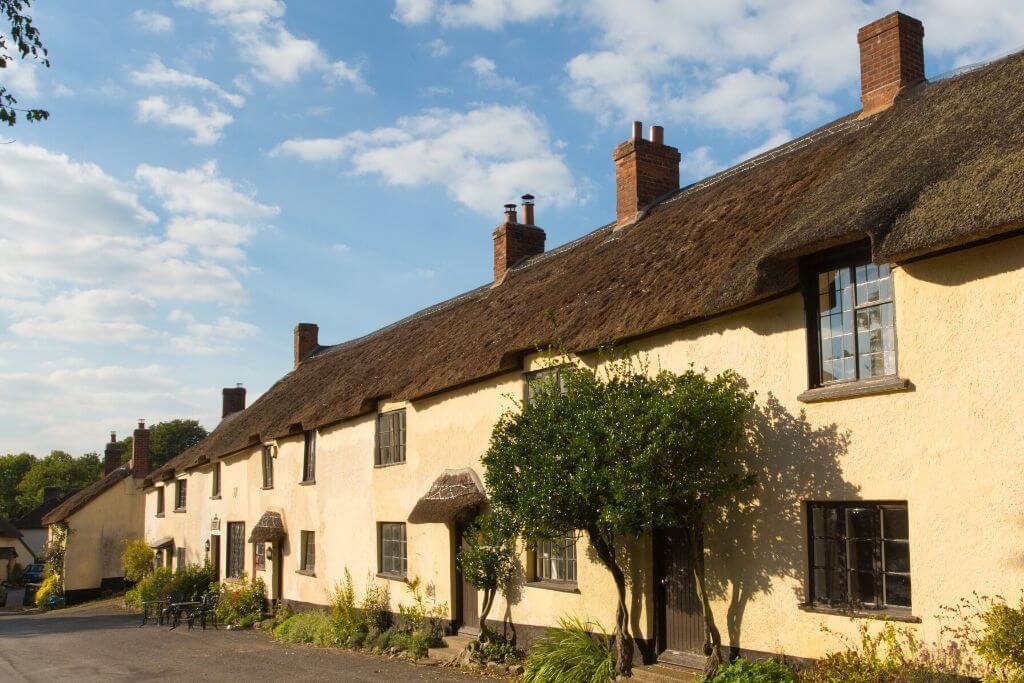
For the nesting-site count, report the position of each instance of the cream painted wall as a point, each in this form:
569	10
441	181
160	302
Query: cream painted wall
97	533
949	447
35	539
23	555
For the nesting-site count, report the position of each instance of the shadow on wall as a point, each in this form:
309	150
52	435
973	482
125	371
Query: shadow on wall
760	539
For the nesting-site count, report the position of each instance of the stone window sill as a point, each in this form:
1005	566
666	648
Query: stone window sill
307	483
853	389
305	572
217	497
159	514
560	586
233	580
266	488
384	465
393	577
179	509
890	614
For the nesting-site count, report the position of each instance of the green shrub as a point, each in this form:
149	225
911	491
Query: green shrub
241	605
314	627
995	631
137	559
375	609
193	579
570	654
282	613
745	671
343	609
155	586
494	647
48	588
427	621
891	654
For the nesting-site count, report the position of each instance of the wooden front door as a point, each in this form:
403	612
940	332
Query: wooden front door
680	617
215	556
469	606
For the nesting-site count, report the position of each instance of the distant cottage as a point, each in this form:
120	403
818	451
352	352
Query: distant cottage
866	279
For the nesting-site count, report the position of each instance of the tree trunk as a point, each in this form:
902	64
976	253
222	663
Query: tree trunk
712	638
605	551
485	610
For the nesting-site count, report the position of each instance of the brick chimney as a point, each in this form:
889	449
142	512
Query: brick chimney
112	454
306	340
644	171
514	241
891	59
234	400
140	451
51	493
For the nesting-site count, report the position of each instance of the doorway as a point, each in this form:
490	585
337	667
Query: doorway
468	606
680	618
215	556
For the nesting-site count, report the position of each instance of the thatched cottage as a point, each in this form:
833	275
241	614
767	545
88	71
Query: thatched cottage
866	279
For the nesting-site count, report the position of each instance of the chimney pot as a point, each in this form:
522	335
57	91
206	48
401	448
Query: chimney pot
510	213
527	209
644	171
306	340
113	437
140	451
891	60
112	454
233	400
51	493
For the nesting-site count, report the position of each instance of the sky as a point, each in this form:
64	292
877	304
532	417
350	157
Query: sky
215	171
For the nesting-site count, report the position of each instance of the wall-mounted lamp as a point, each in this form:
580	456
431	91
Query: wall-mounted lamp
207	545
270	553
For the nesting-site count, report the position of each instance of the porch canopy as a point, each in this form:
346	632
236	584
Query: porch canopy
270	528
454	496
162	542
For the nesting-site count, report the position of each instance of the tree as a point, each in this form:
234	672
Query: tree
488	561
58	469
12	469
24	38
619	453
168	439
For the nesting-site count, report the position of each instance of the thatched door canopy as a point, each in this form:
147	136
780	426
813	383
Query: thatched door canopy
162	542
455	496
270	528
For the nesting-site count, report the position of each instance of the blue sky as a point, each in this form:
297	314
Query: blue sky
215	171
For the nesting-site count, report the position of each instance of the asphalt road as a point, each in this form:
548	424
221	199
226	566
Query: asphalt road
101	643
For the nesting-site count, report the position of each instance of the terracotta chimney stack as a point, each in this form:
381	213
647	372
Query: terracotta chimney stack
307	337
112	454
515	241
140	451
891	59
644	171
233	400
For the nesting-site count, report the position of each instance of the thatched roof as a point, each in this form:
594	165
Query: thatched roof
162	542
75	502
453	497
8	530
944	166
269	528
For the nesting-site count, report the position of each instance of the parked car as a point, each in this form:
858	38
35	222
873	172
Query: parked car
33	573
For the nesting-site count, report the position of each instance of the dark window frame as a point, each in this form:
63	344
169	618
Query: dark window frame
559	556
392	565
235	565
215	484
849	257
390	450
260	557
529	378
160	501
268	466
307	556
309	457
179	558
180	494
836	574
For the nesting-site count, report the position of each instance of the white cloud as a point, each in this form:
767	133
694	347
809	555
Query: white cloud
483	157
218	336
487	73
698	164
204	192
153	22
340	248
489	14
439	48
776	139
274	53
156	75
206	126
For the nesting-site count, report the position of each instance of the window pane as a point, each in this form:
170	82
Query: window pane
862	523
862	555
862	587
897	556
897	590
895	524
